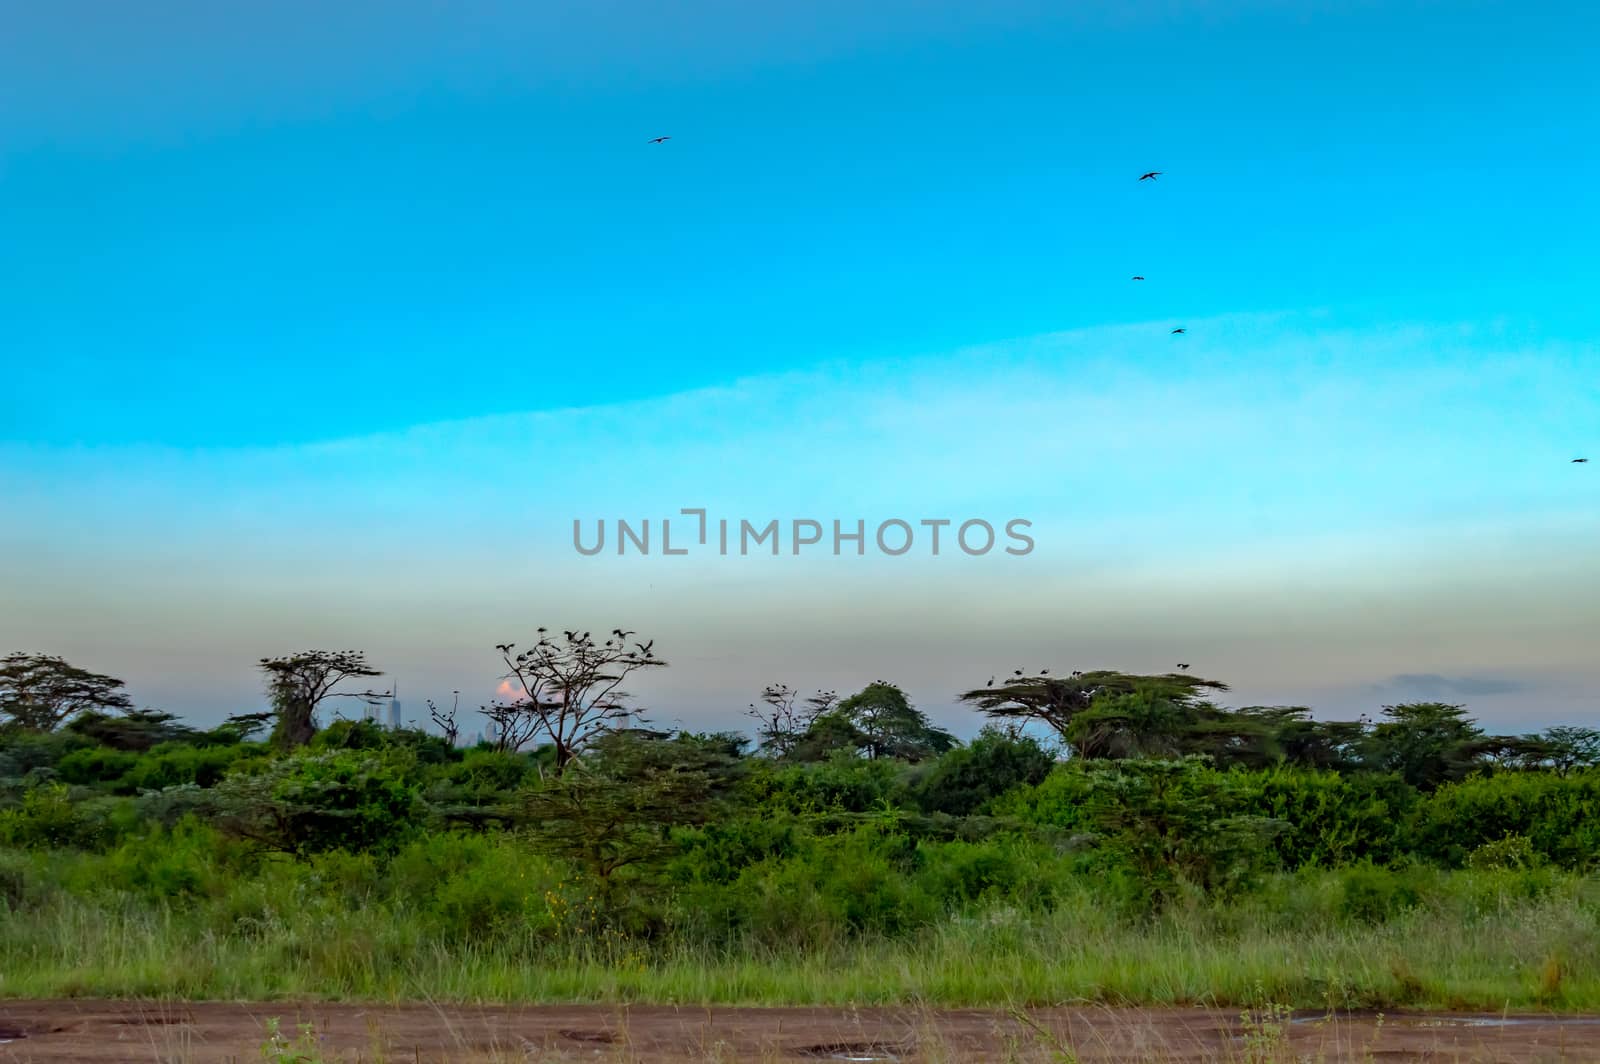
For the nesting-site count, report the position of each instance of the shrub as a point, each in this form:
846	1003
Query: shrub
309	802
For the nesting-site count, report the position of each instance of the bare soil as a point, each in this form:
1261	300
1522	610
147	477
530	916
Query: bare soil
84	1030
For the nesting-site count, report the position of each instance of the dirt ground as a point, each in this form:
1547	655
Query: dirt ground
81	1030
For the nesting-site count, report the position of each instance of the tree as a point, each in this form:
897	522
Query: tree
444	720
828	733
309	802
300	683
1057	701
1426	743
1171	821
40	692
241	727
569	692
615	809
963	780
782	724
1564	748
1296	739
138	729
891	727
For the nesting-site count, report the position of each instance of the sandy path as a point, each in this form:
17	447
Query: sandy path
82	1030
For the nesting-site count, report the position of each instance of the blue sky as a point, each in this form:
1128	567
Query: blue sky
320	327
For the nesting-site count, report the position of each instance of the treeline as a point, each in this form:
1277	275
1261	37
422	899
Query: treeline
1142	787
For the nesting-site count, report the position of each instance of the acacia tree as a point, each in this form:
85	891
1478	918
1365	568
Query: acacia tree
568	691
1427	743
615	809
40	692
445	720
786	720
1059	701
300	683
891	726
1565	748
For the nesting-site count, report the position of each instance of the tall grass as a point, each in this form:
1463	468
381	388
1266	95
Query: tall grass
1474	941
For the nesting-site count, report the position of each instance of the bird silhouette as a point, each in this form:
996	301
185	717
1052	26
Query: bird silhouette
990	683
504	648
644	648
1580	460
1152	175
1175	332
1019	672
659	140
1044	672
1183	665
1138	278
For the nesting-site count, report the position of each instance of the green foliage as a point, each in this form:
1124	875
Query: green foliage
1510	851
1372	894
965	780
1330	819
878	721
843	783
365	853
1175	823
309	802
96	765
40	692
1425	743
614	809
1558	815
136	730
48	818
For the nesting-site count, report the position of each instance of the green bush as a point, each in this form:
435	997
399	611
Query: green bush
965	780
1559	815
47	818
309	802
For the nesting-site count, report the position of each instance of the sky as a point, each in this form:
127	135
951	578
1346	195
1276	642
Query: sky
320	326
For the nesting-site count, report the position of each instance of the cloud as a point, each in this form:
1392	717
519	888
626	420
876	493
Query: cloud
1434	685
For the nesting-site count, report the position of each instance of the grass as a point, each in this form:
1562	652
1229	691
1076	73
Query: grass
1465	951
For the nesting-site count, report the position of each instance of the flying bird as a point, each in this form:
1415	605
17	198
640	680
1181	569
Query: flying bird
1152	175
659	140
1177	331
1138	278
1183	665
1580	459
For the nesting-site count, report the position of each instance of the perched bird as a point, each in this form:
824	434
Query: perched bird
1138	278
1044	672
1177	331
1019	672
1151	176
659	140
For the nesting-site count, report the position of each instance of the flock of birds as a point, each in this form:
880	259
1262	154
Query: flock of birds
1181	666
1149	175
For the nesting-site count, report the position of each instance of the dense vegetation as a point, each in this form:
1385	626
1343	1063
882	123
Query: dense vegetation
1105	836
